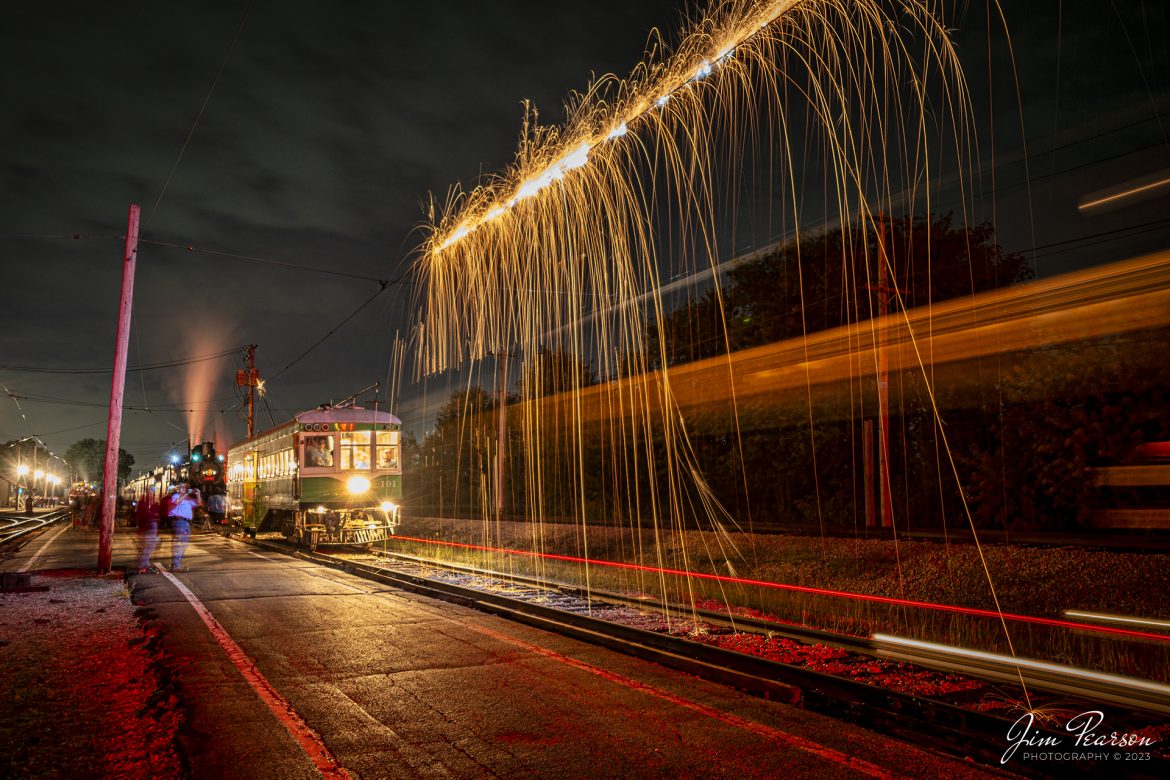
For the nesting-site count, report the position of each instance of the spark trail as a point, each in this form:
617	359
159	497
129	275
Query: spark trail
562	258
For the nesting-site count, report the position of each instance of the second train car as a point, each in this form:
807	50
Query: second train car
329	476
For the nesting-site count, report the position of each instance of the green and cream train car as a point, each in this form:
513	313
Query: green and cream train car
329	476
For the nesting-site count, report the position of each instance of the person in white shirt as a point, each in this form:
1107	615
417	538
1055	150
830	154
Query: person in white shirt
182	510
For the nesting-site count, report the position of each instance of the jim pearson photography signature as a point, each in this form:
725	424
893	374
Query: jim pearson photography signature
1085	740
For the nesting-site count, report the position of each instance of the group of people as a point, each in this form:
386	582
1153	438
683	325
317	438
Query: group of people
178	508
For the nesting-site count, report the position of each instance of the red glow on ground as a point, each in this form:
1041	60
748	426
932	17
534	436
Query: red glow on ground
986	613
858	765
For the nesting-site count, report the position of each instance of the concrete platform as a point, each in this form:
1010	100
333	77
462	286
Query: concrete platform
360	680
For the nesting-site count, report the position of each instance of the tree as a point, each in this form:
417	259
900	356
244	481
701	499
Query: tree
828	279
823	281
553	371
88	459
1061	414
452	469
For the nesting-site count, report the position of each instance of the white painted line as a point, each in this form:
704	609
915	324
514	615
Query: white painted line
44	546
309	740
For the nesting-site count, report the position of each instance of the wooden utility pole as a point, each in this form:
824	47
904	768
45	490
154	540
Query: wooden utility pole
117	386
251	349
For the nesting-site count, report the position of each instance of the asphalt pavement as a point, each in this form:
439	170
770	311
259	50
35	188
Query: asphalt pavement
282	668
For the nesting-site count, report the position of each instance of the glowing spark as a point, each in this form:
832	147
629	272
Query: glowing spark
461	232
1129	193
532	185
864	597
577	158
555	172
570	272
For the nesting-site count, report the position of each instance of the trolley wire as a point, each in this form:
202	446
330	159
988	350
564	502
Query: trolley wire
266	261
141	367
354	313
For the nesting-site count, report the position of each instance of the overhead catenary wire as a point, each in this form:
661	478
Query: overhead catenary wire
142	367
199	115
269	261
337	327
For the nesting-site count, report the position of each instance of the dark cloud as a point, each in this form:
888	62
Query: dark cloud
327	129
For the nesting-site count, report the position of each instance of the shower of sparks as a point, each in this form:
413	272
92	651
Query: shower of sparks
565	251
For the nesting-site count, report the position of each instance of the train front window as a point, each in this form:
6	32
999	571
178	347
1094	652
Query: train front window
387	449
319	451
355	450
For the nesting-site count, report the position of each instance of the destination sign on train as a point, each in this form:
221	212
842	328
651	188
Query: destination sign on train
348	426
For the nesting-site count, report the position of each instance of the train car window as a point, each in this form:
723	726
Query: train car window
318	451
286	463
387	449
355	450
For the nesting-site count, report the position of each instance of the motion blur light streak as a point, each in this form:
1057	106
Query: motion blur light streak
491	283
1128	192
974	612
576	270
1161	625
895	642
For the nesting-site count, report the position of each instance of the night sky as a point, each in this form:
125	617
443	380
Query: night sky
329	126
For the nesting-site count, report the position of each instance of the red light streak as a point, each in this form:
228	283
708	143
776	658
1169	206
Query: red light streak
988	613
792	740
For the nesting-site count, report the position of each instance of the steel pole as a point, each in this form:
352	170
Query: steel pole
117	386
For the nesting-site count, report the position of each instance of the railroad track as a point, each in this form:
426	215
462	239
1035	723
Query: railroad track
20	527
1139	540
1128	693
565	609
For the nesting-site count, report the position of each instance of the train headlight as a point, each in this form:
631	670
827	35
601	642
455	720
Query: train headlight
358	485
388	507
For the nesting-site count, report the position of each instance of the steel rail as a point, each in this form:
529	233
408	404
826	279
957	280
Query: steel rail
927	722
1140	541
1136	695
28	525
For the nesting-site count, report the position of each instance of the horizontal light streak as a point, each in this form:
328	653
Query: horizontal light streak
1124	194
1024	663
1158	625
974	612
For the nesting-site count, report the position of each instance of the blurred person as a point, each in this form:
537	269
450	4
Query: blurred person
146	514
91	514
217	507
182	512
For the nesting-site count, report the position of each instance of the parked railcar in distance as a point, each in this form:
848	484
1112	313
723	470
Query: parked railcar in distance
201	468
329	476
